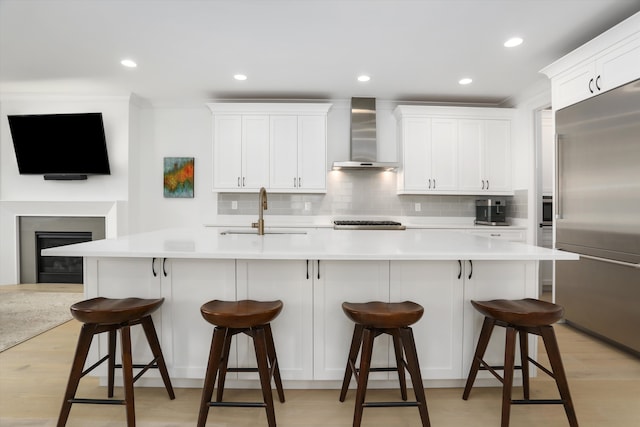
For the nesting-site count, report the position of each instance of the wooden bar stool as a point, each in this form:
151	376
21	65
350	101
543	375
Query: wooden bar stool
110	315
253	319
371	320
525	316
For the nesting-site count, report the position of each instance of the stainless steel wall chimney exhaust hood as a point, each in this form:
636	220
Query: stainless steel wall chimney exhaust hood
363	138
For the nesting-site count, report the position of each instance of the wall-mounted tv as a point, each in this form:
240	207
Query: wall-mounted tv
60	146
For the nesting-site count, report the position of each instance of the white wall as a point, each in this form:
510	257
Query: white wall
115	112
31	195
172	132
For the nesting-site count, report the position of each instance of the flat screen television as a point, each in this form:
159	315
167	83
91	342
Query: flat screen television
60	146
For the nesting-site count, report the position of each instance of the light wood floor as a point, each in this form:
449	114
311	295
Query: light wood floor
604	382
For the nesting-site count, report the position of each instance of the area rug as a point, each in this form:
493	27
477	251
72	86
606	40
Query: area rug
25	314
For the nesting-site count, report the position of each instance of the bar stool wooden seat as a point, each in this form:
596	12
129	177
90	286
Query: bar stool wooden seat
524	316
110	315
253	319
373	319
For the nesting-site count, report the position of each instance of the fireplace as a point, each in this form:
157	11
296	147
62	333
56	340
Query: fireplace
58	269
38	232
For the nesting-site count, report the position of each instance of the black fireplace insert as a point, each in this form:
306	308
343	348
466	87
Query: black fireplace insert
59	269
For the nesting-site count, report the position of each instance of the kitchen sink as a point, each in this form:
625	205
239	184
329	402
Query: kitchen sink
253	231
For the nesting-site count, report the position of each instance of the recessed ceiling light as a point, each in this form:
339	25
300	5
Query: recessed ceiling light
364	78
240	77
465	81
513	42
128	63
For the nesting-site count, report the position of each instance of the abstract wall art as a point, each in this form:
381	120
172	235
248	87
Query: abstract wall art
178	177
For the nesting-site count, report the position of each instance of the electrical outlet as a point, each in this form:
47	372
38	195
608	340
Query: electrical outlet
418	207
307	206
234	204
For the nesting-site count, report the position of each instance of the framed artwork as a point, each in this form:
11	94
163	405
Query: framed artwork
178	177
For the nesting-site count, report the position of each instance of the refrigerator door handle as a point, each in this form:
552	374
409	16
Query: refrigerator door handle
612	261
558	196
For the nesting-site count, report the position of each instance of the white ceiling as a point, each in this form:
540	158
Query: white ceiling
414	50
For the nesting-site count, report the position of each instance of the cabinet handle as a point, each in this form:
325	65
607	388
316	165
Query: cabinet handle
294	181
487	184
307	269
597	84
434	183
238	181
483	184
164	260
429	182
318	269
471	271
495	234
590	89
243	183
153	267
299	182
459	269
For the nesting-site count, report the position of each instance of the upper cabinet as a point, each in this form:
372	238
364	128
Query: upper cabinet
298	154
484	163
240	152
279	146
429	155
454	150
608	61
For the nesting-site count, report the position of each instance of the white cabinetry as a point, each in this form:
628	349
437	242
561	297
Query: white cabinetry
454	150
438	287
429	155
484	162
608	61
298	153
281	147
186	278
241	152
124	278
312	334
292	283
335	283
487	280
177	280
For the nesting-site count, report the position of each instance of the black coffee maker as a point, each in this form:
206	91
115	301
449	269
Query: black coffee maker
491	212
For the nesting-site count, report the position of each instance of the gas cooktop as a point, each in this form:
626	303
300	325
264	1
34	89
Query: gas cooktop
367	225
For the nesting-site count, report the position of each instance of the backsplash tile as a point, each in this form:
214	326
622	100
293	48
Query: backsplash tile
519	204
364	193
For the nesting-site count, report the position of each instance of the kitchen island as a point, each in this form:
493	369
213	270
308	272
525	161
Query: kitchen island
312	270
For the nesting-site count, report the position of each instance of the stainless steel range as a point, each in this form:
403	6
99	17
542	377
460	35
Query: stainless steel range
367	225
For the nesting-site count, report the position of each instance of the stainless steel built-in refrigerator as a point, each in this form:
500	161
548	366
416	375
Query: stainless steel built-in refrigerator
598	214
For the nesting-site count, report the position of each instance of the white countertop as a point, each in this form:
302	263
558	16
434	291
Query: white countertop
317	243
